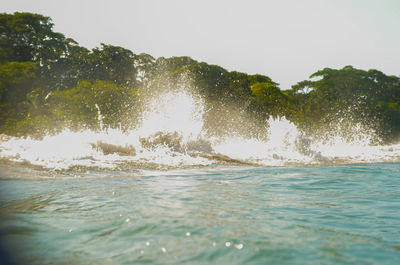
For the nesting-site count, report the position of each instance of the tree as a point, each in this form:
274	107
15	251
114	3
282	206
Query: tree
366	97
113	63
269	96
92	105
16	80
29	37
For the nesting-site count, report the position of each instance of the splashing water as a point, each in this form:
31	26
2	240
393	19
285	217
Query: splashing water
173	112
172	135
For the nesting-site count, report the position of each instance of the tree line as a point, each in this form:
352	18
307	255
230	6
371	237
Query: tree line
49	82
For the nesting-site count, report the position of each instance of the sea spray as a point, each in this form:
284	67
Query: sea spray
173	112
171	135
279	148
175	118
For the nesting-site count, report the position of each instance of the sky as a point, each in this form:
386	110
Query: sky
287	40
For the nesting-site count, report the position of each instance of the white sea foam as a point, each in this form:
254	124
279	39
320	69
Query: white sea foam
172	135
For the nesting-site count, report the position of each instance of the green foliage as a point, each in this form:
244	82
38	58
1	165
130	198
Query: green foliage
113	63
173	64
16	80
367	97
271	98
87	104
30	126
49	82
211	80
29	37
145	65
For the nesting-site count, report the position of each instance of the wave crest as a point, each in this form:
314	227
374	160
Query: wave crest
172	135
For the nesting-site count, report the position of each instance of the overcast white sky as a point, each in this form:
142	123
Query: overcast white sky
286	40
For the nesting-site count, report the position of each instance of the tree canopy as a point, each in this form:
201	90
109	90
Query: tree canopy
48	81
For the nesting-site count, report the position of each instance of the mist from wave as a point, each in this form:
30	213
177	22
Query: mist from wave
171	134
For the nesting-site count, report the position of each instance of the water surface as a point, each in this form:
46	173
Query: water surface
336	214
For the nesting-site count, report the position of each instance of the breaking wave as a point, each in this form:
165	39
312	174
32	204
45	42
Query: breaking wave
171	135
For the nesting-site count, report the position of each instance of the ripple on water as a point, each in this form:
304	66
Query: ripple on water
287	215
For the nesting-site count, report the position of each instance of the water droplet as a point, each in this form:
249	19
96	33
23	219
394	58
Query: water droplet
214	244
239	246
142	252
163	250
228	244
113	193
127	220
188	234
120	214
147	243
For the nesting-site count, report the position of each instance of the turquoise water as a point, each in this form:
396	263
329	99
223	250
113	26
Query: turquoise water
337	214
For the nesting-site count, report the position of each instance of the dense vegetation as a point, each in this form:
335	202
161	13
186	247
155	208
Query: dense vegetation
49	82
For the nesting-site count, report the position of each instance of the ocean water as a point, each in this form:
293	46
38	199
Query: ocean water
171	191
336	214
